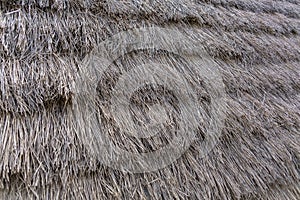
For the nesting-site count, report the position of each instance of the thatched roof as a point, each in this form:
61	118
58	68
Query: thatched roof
46	149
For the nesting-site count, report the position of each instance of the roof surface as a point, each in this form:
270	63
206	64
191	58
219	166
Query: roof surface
45	138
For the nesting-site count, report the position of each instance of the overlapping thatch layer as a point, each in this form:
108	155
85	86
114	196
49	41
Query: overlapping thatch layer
45	156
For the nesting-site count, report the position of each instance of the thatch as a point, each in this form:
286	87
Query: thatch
45	154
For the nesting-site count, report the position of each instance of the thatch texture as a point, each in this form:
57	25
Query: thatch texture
45	156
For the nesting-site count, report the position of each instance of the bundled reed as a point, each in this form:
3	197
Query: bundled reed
44	154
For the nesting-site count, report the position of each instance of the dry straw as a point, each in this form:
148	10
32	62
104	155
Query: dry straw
43	153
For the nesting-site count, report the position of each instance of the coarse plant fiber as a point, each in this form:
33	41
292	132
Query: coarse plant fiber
256	45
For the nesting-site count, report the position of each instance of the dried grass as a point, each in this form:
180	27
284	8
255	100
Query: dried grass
257	46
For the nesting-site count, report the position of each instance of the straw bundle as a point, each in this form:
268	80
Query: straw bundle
46	155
